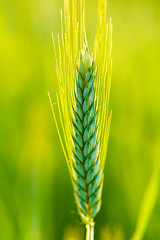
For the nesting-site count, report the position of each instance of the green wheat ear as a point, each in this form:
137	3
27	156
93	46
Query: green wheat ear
87	169
84	88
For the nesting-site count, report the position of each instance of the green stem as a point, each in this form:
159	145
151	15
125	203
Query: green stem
90	231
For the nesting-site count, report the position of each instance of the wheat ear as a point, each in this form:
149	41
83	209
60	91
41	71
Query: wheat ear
86	167
83	100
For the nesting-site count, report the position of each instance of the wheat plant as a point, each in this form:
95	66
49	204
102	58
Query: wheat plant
83	100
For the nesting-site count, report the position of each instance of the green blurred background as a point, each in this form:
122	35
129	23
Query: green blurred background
36	196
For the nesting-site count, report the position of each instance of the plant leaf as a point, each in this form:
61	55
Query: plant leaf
148	203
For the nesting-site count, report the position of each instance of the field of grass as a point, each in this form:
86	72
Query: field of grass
36	196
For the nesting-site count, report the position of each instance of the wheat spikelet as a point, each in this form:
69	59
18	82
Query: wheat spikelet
83	100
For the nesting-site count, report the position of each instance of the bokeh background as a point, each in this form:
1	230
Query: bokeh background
36	196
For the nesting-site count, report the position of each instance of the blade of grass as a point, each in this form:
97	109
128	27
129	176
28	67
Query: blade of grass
148	204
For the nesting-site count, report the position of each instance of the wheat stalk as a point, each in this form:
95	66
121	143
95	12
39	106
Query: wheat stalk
83	100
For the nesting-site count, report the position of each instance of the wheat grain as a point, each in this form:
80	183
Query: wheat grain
83	100
86	167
